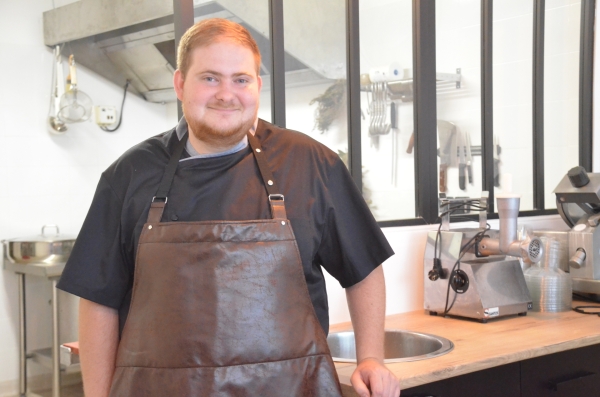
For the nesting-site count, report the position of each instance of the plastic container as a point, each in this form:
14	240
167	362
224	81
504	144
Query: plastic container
549	286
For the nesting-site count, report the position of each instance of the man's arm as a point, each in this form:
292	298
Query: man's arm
98	341
366	301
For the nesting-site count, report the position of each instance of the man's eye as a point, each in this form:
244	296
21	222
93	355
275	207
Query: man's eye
210	79
242	81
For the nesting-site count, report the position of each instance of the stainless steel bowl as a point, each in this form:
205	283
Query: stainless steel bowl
399	346
40	249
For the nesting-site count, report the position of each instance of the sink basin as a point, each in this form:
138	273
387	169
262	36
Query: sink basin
400	346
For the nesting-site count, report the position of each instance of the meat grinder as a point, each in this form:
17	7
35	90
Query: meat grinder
578	203
475	272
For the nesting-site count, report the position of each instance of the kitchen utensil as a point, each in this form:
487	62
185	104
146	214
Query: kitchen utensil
55	124
48	249
462	160
496	162
469	158
411	143
365	80
75	105
447	141
401	90
395	131
378	111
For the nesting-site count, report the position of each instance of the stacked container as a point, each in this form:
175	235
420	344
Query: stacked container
549	286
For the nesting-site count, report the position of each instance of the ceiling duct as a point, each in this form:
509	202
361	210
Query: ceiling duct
134	40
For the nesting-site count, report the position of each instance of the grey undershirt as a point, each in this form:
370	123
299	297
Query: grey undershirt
182	128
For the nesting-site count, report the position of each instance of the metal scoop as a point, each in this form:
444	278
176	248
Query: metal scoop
75	105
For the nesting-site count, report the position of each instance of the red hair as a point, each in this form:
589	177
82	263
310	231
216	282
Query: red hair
209	31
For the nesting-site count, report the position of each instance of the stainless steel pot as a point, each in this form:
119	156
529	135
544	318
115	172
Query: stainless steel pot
39	249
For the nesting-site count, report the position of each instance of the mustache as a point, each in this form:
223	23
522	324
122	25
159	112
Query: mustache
223	106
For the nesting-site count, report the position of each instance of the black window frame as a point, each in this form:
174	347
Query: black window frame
425	97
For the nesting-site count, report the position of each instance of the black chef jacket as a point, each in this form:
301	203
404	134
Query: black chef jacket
334	228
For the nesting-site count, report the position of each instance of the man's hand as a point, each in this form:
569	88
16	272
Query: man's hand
366	302
372	375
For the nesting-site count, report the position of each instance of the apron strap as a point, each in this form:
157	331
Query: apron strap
276	199
160	200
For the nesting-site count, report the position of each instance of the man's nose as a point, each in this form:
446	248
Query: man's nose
225	92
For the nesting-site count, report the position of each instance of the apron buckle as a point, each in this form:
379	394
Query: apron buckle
276	197
160	198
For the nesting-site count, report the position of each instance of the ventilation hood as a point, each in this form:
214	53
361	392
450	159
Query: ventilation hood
134	40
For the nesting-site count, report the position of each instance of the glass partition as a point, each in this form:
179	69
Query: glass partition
458	75
315	71
386	61
561	93
513	99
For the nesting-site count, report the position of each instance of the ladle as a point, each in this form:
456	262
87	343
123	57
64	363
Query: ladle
55	124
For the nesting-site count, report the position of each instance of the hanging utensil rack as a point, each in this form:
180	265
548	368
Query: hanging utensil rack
402	89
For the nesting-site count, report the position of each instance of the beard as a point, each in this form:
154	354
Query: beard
215	136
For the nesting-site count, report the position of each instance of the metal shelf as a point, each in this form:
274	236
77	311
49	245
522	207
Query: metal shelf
402	89
48	357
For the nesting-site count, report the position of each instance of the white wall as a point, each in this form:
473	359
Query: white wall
48	179
51	179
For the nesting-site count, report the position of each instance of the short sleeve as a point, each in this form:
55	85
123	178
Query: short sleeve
97	270
352	244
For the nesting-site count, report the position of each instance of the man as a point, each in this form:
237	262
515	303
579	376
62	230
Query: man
199	263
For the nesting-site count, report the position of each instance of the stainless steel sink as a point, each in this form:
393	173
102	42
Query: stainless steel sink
400	346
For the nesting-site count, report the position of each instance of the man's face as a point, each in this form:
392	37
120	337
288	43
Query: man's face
220	93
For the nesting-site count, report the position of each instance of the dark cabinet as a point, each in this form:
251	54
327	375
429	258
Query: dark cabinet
572	373
500	381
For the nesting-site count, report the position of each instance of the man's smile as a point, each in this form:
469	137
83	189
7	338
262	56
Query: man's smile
225	109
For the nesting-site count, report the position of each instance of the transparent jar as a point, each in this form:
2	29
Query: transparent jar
549	286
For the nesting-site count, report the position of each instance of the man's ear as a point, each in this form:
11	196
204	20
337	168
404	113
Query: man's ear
178	81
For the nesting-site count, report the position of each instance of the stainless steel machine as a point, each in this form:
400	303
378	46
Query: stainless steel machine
578	203
475	272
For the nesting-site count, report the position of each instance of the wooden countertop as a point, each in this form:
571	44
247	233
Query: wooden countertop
480	346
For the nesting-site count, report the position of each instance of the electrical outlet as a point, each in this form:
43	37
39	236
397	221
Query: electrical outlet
105	115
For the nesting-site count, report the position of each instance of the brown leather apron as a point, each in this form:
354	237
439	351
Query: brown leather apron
221	308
